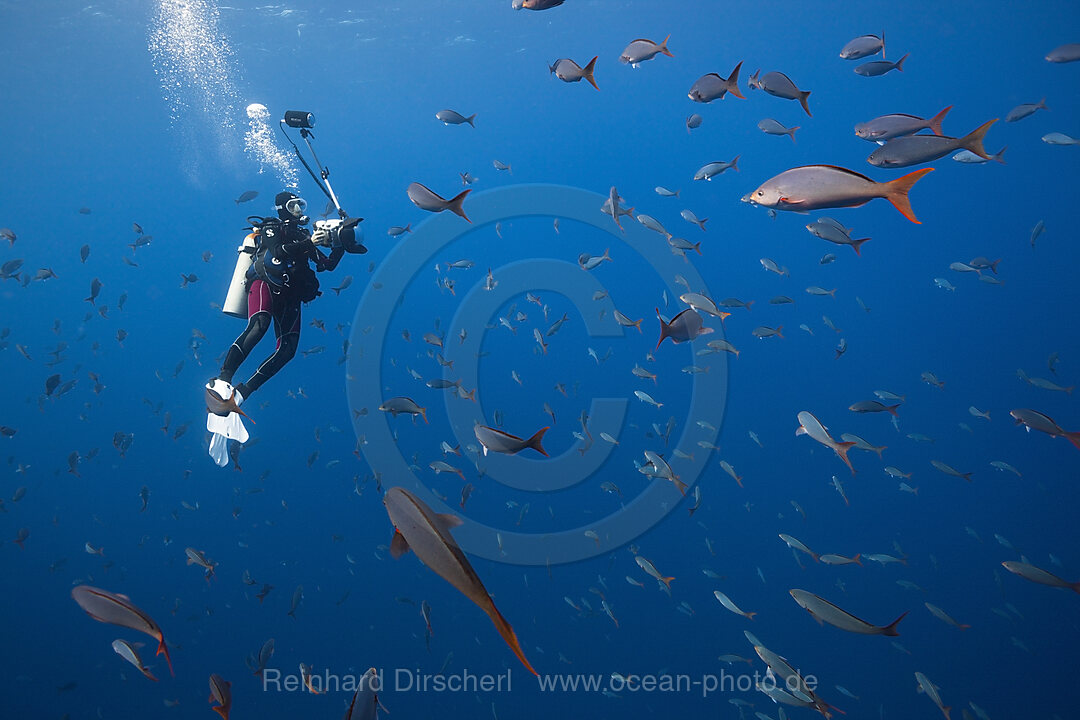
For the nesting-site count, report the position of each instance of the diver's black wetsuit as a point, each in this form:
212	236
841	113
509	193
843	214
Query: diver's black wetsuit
278	282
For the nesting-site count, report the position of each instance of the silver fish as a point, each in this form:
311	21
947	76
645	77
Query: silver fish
713	87
814	187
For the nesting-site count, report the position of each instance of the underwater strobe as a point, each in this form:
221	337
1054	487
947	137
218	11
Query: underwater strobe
344	231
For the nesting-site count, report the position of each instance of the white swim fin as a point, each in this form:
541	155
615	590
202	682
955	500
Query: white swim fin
219	449
229	427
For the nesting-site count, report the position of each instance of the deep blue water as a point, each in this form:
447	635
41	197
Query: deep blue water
90	126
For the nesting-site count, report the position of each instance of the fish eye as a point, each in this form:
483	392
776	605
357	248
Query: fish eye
760	193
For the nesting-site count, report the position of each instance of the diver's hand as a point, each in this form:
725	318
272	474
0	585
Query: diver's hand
320	237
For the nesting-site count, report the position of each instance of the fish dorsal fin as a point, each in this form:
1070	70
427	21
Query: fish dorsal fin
448	522
398	545
844	170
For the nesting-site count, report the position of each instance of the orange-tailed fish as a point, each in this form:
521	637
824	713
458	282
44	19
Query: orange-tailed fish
117	609
220	693
813	187
825	612
427	533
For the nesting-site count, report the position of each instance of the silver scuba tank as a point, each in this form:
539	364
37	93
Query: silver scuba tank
236	299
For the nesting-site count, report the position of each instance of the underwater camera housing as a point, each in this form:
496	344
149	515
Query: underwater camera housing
344	234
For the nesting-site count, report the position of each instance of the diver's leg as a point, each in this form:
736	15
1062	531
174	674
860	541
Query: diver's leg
259	307
287	328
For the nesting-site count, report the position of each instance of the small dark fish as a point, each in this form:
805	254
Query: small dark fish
246	196
51	383
220	693
642	49
207	256
297	598
876	68
425	199
84	252
780	85
452	117
261	595
187	279
84	210
501	442
693	122
95	288
535	5
684	327
864	46
569	71
137	228
1022	111
6	431
345	282
713	87
8	234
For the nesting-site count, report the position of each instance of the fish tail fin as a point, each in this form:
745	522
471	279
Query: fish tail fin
587	72
1042	104
973	141
896	192
398	547
892	409
664	330
508	636
535	440
732	82
606	255
748	304
163	649
802	101
858	561
842	451
701	224
750	615
856	244
423	414
890	629
667	581
999	156
637	325
900	63
966	476
663	47
1074	438
880	450
472	117
735	163
337	291
454	204
946	710
679	484
882	44
791	133
935	122
778	329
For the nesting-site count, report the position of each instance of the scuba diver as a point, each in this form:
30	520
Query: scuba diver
272	279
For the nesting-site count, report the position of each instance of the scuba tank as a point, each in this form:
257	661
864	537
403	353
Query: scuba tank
236	300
